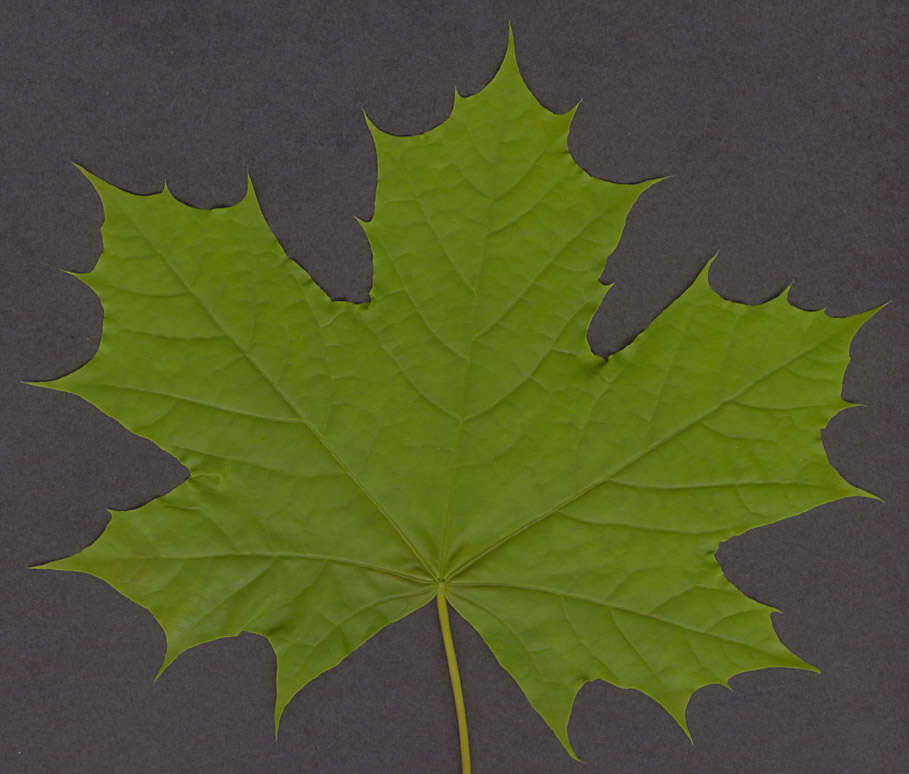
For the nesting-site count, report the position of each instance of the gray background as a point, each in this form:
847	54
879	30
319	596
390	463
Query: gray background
783	130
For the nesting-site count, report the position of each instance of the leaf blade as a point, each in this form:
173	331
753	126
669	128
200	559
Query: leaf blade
347	462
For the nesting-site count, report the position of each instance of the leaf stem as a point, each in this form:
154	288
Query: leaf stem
455	675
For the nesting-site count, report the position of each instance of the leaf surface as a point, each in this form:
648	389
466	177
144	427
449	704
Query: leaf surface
349	461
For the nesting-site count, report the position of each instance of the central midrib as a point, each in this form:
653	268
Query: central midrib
459	433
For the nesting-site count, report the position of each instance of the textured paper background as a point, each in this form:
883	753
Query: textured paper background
784	131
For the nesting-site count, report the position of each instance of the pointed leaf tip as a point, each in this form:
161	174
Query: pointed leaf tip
251	192
370	124
92	178
510	56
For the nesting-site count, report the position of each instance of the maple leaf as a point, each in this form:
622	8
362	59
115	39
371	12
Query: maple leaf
454	438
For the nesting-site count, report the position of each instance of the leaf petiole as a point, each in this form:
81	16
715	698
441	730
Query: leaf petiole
455	675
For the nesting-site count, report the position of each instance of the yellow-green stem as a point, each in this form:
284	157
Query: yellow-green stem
455	675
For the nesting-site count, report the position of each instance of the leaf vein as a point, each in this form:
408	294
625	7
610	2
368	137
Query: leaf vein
635	458
318	435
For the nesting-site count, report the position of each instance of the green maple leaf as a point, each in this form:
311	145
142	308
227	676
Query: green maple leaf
454	438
